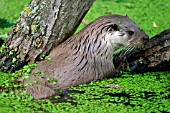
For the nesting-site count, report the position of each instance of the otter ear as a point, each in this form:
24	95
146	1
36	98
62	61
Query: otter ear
115	27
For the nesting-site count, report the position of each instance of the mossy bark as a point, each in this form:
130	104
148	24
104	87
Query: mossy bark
42	25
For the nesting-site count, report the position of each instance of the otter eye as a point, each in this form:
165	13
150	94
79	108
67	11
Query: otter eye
130	33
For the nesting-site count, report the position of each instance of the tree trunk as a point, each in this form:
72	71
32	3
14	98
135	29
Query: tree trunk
154	57
42	25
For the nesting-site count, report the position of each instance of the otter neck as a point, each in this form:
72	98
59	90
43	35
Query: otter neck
96	53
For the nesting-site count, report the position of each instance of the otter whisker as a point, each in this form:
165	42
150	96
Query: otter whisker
126	51
129	50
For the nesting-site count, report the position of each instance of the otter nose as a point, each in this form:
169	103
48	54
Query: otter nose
146	37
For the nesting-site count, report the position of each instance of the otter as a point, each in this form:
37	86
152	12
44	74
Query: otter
86	56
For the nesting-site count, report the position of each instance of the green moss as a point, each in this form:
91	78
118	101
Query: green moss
143	93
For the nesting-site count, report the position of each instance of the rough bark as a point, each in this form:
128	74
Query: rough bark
42	25
154	57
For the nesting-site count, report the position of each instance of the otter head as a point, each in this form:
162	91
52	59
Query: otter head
124	32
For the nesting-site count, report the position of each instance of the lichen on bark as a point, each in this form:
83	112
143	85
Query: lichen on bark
42	25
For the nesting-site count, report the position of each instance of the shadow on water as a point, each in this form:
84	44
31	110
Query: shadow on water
64	96
4	23
124	98
1	42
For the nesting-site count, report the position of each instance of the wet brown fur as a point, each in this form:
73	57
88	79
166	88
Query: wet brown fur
82	58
